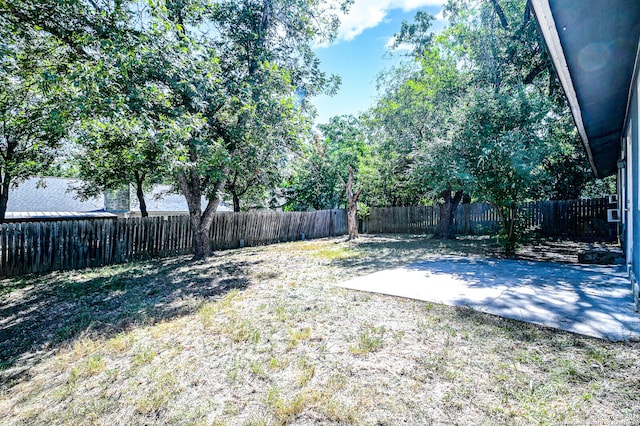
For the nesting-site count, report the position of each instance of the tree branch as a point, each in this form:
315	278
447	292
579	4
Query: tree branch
534	73
501	15
356	196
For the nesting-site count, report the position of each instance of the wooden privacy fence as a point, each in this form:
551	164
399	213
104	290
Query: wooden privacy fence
579	219
37	247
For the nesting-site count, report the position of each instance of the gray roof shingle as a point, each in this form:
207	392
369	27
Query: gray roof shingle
163	198
50	195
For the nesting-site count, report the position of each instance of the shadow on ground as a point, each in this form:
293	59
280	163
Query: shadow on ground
40	314
587	299
390	251
395	250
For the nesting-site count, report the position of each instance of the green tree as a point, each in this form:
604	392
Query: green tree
257	189
347	136
115	154
567	163
503	140
83	26
414	114
498	41
321	171
105	59
248	59
474	109
510	129
260	161
394	126
313	182
126	109
353	196
224	71
600	188
34	113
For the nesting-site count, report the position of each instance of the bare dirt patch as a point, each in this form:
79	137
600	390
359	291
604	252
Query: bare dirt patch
261	336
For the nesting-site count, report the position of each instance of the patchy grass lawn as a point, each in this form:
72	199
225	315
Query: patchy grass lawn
259	336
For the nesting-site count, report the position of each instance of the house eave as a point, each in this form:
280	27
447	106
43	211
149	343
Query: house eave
594	49
547	26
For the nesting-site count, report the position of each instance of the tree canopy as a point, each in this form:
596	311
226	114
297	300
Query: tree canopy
34	112
475	110
205	87
321	169
214	97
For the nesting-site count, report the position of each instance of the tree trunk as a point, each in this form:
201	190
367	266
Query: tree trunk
508	239
512	235
352	212
232	188
201	239
444	230
352	220
4	196
140	195
236	202
4	200
200	221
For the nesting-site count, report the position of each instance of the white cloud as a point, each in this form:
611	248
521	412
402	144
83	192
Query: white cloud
402	47
440	15
365	14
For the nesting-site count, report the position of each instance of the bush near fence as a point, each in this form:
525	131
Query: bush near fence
39	247
584	220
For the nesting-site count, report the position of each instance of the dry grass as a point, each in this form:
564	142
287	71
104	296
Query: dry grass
259	336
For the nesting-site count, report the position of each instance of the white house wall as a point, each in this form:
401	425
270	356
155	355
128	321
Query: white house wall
625	176
632	189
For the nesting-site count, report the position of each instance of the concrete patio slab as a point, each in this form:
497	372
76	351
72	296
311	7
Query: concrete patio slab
592	300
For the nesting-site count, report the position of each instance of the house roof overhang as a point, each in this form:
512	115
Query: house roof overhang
594	47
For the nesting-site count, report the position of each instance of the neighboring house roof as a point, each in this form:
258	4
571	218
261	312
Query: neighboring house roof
55	216
594	47
46	198
50	195
162	198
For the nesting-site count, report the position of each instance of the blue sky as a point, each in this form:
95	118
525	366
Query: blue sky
360	53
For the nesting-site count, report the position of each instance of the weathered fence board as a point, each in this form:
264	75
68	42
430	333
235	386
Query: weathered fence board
580	219
48	246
